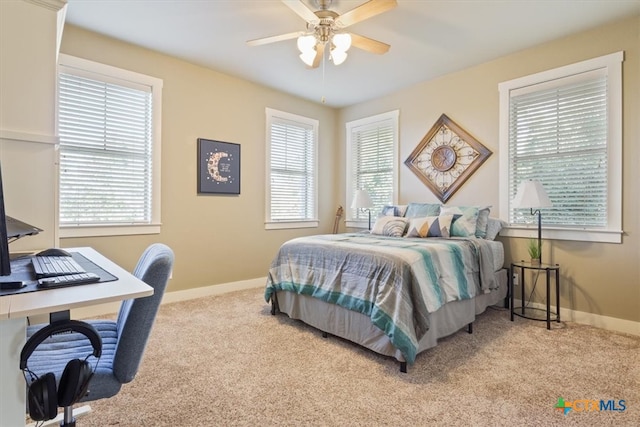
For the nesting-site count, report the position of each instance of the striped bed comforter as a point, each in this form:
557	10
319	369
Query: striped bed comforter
396	282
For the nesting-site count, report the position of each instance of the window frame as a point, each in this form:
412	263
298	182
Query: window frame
393	116
612	232
95	70
271	224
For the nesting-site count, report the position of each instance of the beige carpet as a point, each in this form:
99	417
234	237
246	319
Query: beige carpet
224	361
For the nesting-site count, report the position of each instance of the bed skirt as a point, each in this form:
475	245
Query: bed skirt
357	327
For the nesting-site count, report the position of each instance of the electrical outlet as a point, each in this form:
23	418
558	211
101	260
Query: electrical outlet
516	279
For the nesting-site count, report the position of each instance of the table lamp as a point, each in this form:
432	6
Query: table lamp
361	200
531	195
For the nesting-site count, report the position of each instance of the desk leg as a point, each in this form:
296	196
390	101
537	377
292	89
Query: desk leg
12	385
60	316
548	300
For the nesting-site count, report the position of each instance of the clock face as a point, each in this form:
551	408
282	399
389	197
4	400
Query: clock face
443	158
446	157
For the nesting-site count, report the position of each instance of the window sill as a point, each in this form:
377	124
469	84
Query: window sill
358	224
282	225
103	231
580	235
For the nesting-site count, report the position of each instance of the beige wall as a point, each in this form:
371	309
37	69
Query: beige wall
596	278
221	239
216	239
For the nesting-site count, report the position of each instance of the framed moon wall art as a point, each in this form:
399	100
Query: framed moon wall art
446	157
218	167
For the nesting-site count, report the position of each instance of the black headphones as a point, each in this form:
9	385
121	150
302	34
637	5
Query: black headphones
42	396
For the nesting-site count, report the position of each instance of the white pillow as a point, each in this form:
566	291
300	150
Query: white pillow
481	225
493	228
392	226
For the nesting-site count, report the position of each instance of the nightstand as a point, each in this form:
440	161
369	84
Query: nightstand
532	312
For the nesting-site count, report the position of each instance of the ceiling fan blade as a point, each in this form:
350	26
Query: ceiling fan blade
319	55
370	45
303	11
365	11
273	39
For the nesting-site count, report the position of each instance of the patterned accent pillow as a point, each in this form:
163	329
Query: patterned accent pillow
393	210
430	226
464	220
392	226
415	210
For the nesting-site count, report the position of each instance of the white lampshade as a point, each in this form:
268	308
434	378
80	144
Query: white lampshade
361	200
531	194
338	56
306	44
342	41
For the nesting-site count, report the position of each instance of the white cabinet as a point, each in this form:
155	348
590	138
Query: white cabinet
30	33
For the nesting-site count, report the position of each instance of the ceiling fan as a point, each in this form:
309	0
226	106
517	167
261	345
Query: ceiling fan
325	26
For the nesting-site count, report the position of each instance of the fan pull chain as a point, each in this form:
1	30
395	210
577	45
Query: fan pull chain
323	63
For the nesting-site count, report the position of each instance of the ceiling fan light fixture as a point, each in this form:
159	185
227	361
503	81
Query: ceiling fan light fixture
308	57
342	41
325	28
338	56
306	44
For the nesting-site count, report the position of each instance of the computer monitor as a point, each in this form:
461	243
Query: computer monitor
5	260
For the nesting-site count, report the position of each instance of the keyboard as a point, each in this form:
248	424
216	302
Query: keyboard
51	266
67	280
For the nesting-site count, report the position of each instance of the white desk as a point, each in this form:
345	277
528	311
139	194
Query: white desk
14	310
4	309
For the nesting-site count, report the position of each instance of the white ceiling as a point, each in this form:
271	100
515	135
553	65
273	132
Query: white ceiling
428	38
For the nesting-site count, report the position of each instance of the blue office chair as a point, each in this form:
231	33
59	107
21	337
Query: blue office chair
123	340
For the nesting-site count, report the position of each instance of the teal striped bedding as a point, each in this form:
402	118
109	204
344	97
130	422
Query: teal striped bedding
394	281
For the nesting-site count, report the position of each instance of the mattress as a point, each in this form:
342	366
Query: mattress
395	282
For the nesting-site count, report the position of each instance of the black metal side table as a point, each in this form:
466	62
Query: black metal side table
529	312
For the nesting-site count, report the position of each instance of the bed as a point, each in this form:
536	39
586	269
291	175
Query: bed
393	294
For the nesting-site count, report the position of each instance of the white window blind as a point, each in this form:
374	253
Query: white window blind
105	152
292	186
108	125
558	135
563	127
372	146
373	165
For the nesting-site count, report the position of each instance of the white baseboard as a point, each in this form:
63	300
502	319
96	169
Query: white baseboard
214	290
591	319
169	297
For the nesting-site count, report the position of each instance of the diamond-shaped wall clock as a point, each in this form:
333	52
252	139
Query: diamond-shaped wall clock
446	157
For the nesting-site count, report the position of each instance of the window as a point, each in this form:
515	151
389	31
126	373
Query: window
563	127
109	128
372	146
292	194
